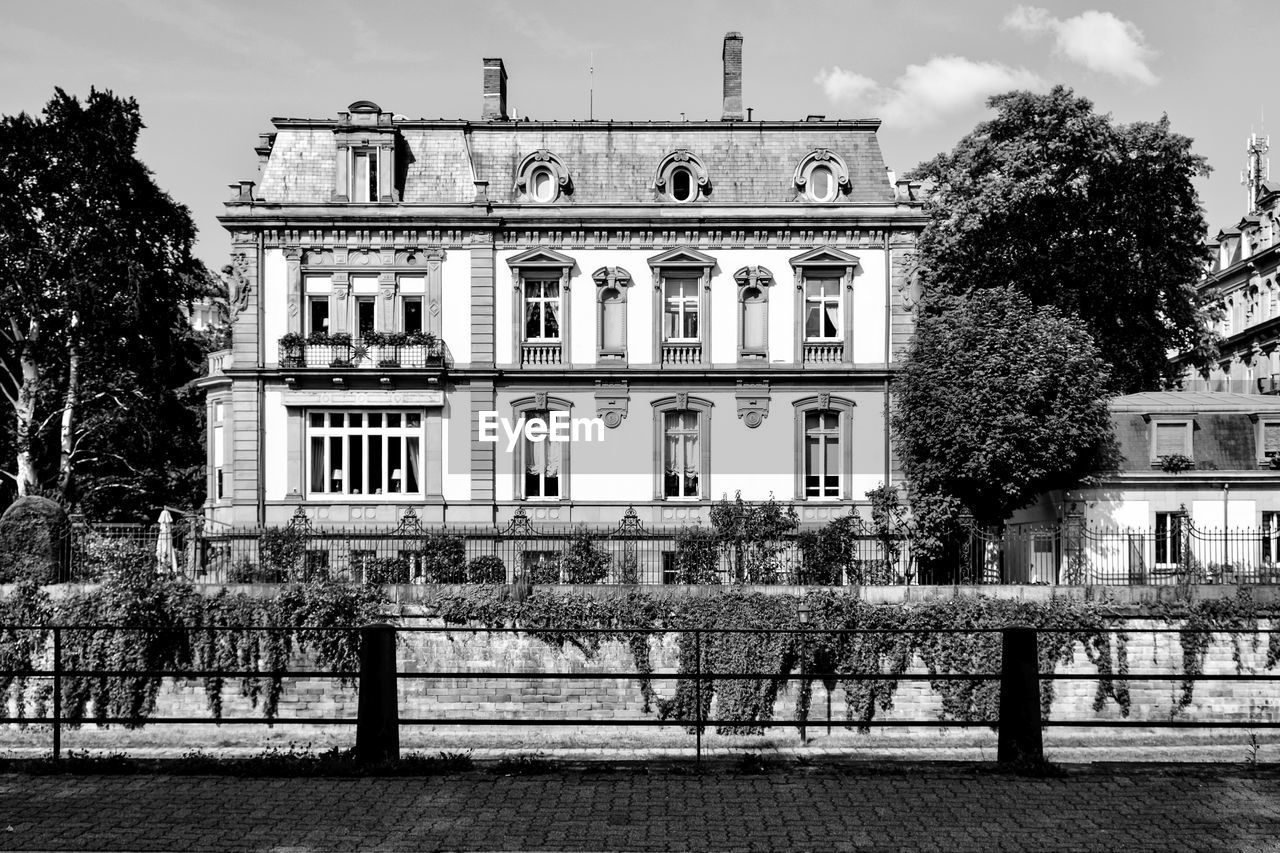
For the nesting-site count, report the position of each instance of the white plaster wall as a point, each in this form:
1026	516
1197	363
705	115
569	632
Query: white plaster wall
455	308
275	425
1208	515
275	303
456	486
868	303
868	308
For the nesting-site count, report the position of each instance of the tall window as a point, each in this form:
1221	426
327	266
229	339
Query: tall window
412	314
680	309
822	321
219	453
543	462
542	309
681	455
366	307
1168	538
364	174
613	332
364	453
1271	537
822	456
317	314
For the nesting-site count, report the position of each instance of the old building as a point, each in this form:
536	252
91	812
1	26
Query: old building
726	297
1244	275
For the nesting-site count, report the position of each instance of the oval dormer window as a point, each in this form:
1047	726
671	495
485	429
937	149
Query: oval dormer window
822	184
542	184
681	184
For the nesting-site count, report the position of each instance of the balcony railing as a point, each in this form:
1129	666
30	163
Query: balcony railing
219	362
364	355
681	353
823	353
539	354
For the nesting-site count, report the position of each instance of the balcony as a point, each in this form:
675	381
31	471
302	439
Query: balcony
361	353
823	353
219	362
682	354
540	354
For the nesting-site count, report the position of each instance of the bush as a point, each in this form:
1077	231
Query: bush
487	569
244	571
444	558
583	562
281	550
107	557
697	556
386	570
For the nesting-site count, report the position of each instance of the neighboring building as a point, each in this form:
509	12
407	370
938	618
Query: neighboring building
728	297
1244	270
1192	465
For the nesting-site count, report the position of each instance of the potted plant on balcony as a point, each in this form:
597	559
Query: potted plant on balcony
430	345
388	346
342	349
293	347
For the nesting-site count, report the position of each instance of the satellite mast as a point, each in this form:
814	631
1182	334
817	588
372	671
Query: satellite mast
591	86
1259	168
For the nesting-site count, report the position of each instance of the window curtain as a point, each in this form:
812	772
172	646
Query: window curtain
413	462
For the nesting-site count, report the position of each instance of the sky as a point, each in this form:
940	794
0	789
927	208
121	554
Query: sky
210	75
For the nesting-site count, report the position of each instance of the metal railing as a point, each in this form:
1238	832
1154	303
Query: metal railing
364	354
1019	721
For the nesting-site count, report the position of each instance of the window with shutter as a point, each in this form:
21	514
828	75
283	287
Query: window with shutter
1171	439
1270	440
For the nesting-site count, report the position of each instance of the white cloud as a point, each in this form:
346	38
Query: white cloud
1097	40
929	93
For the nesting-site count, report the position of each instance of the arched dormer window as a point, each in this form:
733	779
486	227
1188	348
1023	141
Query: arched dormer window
753	313
821	176
681	177
542	178
612	285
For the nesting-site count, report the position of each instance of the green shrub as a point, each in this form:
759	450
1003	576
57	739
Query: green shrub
106	557
281	550
487	569
386	570
583	562
697	556
444	558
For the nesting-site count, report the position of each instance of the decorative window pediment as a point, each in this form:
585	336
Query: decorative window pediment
824	256
822	175
540	259
542	177
611	277
681	177
682	257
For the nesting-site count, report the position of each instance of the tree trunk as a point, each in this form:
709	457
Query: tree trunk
28	481
66	480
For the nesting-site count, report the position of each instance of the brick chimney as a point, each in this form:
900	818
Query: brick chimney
732	56
495	91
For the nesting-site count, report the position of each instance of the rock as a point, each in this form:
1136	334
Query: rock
34	541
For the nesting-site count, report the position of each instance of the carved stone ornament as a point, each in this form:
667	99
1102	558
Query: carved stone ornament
612	401
544	158
827	158
681	157
682	400
753	404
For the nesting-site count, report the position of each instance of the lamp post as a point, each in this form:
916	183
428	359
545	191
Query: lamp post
802	614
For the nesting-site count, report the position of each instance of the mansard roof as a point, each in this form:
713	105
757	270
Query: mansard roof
609	163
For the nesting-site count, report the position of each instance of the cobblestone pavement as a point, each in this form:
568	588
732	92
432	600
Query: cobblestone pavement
827	808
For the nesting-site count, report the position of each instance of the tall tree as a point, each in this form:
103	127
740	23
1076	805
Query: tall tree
998	402
96	277
1097	218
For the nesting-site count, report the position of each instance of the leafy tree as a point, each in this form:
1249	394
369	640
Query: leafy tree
998	402
96	276
1097	218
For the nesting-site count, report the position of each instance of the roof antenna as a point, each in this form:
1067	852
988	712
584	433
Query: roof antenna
591	87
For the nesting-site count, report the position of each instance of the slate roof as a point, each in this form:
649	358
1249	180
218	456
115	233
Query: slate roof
1194	401
747	163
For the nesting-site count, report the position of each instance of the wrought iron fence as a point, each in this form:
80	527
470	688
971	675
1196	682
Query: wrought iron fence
631	553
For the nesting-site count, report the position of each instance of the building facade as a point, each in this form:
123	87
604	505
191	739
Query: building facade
703	308
1244	275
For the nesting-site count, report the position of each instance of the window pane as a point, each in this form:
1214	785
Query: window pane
375	419
360	180
317	464
316	419
542	185
337	478
813	321
832	470
820	182
412	461
1271	439
318	314
355	465
413	315
393	419
812	456
831	326
395	483
364	316
413	420
532	320
1171	439
335	419
681	185
690	322
374	455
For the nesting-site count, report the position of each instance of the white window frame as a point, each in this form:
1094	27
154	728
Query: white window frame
701	410
541	281
401	434
683	303
365	191
1270	538
836	281
1170	539
826	435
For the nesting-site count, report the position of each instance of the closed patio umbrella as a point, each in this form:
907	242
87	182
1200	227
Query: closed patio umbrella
166	556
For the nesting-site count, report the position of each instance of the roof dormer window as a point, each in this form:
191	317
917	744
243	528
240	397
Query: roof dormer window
542	178
365	139
821	176
681	177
